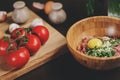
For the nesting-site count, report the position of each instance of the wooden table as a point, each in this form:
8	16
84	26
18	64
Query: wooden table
65	67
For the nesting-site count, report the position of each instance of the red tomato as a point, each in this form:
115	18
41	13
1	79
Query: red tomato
4	45
32	43
18	32
12	45
42	32
18	58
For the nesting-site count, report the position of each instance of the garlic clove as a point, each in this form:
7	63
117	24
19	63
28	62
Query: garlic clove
37	22
13	26
3	15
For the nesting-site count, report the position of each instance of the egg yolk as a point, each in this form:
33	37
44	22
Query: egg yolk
94	42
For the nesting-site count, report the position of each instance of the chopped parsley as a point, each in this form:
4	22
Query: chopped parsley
106	50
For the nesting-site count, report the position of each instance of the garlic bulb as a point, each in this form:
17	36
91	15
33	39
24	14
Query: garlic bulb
57	15
21	13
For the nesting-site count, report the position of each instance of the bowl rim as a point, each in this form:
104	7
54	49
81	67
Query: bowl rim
85	55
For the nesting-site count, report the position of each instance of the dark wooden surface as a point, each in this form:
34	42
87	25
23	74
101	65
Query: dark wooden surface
65	67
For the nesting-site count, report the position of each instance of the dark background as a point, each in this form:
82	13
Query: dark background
65	67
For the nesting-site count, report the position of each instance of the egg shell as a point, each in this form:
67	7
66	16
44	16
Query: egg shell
38	5
48	7
3	16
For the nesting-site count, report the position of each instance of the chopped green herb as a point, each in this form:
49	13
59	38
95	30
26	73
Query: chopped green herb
106	50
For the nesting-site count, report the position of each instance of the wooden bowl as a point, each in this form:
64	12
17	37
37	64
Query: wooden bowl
94	26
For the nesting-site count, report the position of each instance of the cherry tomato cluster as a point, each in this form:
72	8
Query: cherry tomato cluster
23	43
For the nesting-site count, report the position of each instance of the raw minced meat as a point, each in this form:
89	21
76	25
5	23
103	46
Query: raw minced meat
110	47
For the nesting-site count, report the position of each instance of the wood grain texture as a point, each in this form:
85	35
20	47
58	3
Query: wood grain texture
98	26
55	46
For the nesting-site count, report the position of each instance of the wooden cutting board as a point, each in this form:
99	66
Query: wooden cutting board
55	46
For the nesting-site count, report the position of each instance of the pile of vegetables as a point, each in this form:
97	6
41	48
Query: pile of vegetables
22	43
